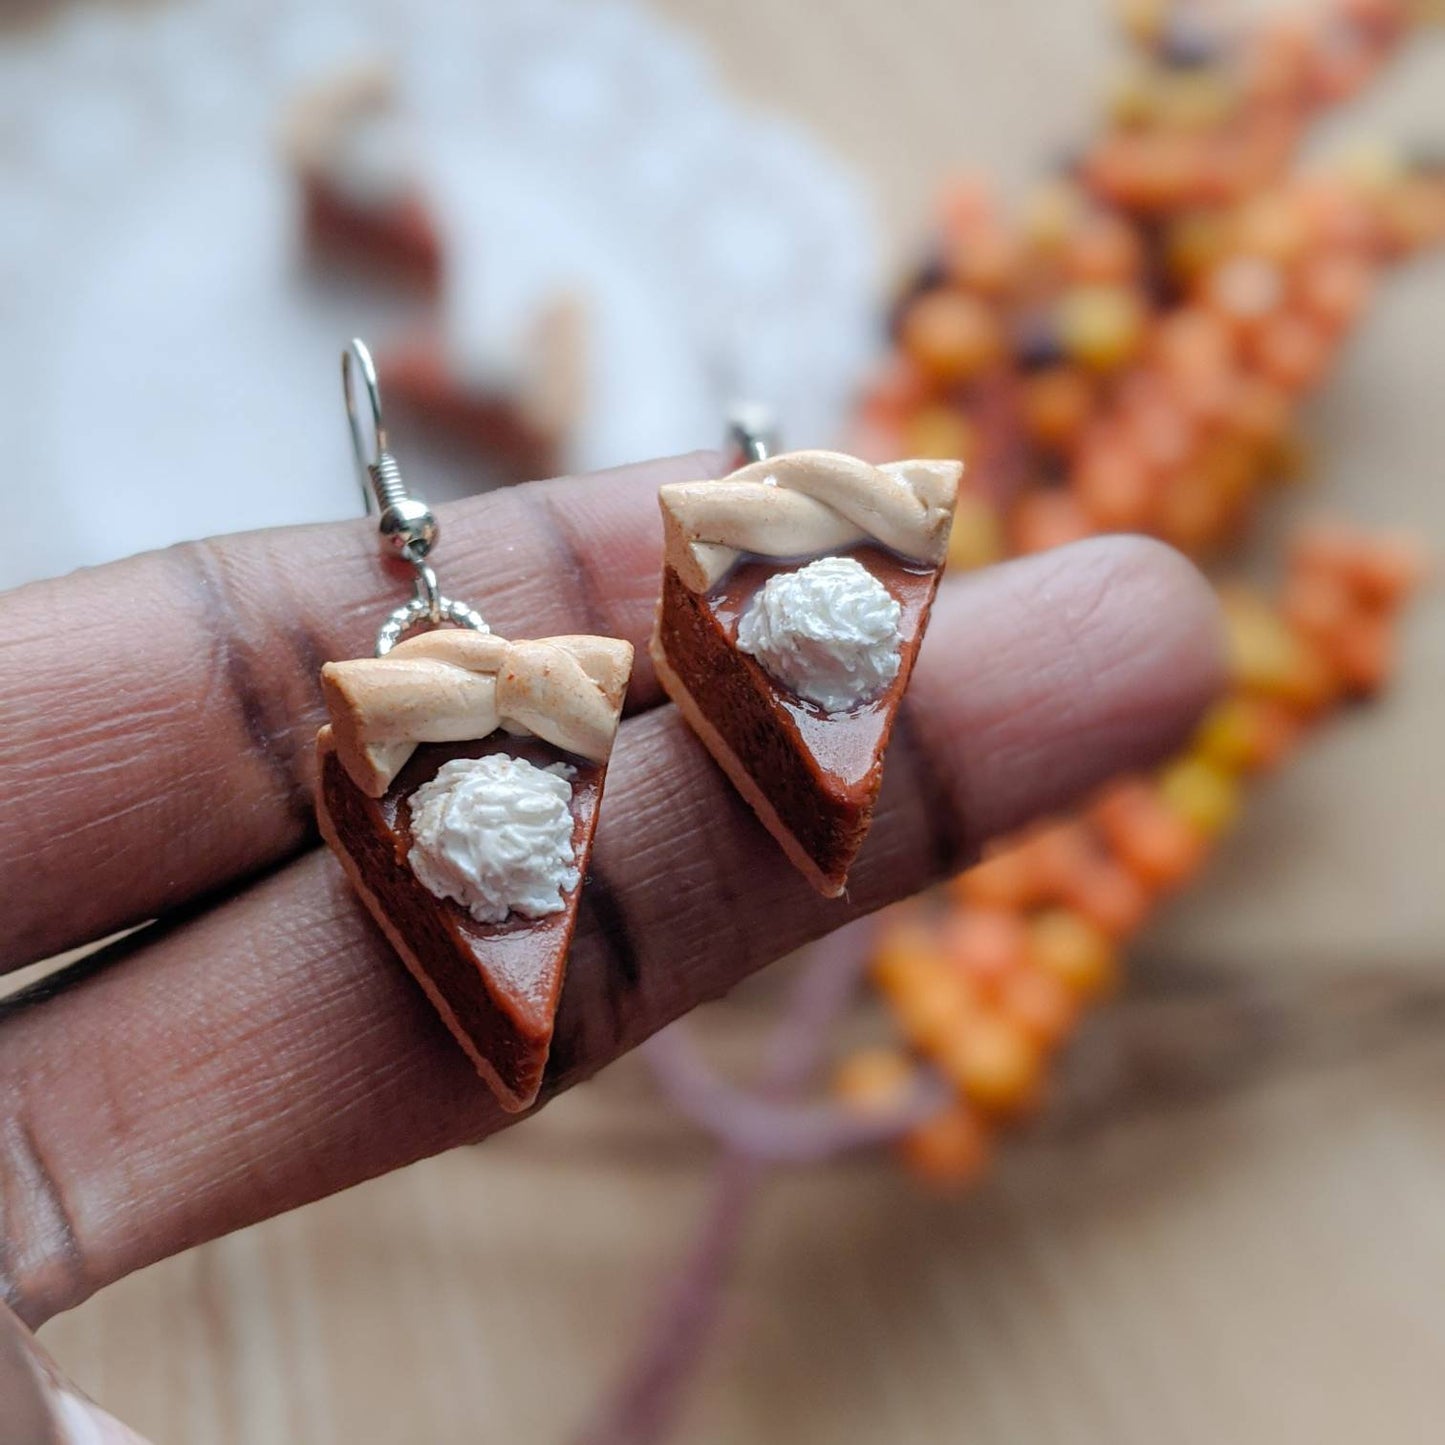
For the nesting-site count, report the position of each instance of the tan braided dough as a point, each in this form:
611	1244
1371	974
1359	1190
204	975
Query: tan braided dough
316	128
803	503
457	685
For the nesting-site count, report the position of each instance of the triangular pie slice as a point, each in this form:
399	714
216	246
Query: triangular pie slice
361	203
459	696
519	418
810	769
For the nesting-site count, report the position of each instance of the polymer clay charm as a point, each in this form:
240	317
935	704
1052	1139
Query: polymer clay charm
458	782
362	203
795	594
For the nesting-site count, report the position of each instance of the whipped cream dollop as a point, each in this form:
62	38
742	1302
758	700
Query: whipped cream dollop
495	835
828	631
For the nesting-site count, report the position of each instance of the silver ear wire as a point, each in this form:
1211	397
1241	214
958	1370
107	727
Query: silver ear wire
752	432
406	525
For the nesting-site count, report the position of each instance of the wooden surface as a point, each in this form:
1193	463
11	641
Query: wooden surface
1251	1255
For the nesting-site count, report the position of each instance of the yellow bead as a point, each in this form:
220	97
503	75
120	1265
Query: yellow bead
1206	797
940	432
1134	97
1049	216
874	1081
1228	735
1076	952
1264	655
995	1062
907	956
1100	326
977	538
1197	101
1142	20
1374	166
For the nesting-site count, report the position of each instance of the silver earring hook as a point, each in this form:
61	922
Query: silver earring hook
368	460
752	432
407	526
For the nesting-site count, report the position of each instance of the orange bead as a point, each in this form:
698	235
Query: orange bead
1042	520
1326	546
1292	351
1194	342
1055	405
1363	653
1061	851
1317	604
1104	250
1155	844
1272	228
1115	489
1006	878
1277	730
1193	513
1079	954
965	206
894	394
985	944
994	1062
907	955
1336	76
986	261
1040	1004
1414	214
950	335
951	1149
1231	466
1162	433
931	1012
1381	571
1334	290
1111	898
1245	290
1258	409
874	1081
1389	570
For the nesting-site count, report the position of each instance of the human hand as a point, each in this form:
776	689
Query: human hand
259	1046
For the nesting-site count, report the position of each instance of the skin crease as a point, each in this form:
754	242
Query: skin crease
261	1047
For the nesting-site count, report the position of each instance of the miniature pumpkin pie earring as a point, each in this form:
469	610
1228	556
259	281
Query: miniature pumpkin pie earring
459	781
795	593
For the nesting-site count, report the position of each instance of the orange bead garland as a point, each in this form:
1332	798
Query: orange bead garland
1130	357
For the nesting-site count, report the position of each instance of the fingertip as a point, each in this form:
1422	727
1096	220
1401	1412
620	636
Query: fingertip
1044	676
1155	599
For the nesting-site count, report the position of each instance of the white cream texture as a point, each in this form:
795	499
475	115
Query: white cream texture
828	631
495	835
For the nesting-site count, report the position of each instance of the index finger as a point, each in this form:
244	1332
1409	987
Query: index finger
160	711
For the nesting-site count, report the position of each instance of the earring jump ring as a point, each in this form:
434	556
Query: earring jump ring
417	611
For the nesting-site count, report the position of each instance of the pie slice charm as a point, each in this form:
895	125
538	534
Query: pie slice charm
795	594
459	781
